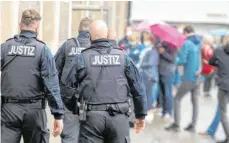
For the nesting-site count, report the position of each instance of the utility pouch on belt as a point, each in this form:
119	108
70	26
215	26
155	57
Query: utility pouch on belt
124	108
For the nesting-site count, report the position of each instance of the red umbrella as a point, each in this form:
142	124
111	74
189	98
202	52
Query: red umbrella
168	34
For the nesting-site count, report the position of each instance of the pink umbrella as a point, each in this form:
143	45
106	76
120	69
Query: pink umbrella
168	34
145	24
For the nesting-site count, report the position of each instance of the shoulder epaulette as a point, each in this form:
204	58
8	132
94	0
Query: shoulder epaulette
70	39
9	39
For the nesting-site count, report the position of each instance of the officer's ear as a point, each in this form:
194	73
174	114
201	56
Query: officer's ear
37	27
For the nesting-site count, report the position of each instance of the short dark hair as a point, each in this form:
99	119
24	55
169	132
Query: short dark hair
189	29
85	23
29	16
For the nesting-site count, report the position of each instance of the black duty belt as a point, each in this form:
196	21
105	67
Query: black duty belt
112	109
5	100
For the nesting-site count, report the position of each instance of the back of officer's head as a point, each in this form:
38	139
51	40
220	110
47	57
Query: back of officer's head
30	20
85	24
98	30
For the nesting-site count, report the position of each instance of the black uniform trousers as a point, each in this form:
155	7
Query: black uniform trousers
101	127
26	120
70	131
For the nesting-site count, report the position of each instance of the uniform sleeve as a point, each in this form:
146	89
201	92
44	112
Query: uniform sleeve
80	68
214	60
137	89
60	59
50	79
183	55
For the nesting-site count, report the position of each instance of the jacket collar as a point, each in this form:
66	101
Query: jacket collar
28	34
100	43
84	34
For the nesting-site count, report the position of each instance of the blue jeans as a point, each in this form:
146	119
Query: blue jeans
155	92
215	123
149	90
166	82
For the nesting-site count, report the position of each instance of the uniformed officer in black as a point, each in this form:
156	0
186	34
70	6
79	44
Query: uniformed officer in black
29	76
105	77
64	62
113	42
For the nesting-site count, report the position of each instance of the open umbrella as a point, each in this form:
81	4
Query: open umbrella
168	34
145	24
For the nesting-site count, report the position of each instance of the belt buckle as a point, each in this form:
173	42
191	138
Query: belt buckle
89	107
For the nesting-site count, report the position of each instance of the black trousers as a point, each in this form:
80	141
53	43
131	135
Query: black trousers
100	127
70	132
26	120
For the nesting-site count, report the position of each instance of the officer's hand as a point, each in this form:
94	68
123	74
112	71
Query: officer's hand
139	125
58	127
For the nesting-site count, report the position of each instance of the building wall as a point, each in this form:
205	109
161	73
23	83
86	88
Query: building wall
60	19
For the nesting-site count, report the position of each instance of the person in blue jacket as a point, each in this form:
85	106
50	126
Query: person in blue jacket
149	70
190	57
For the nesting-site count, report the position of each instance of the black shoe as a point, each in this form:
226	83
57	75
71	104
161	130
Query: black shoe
224	141
190	128
173	127
131	124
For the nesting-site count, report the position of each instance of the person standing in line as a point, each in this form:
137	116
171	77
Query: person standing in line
190	57
220	60
64	59
167	67
149	71
208	41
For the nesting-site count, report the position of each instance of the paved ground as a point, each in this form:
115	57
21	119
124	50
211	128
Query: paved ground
155	133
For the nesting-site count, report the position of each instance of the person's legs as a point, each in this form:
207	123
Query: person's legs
11	119
70	131
183	89
207	84
215	123
169	96
195	103
149	90
10	134
92	130
223	100
160	94
155	92
117	130
34	128
195	106
168	104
